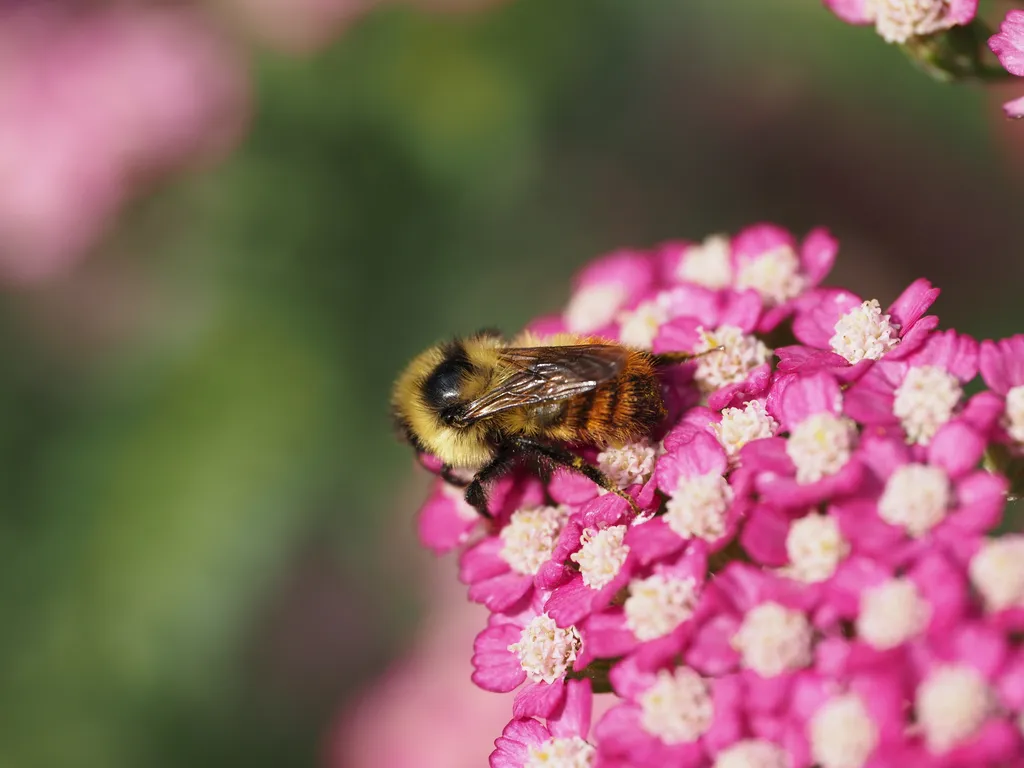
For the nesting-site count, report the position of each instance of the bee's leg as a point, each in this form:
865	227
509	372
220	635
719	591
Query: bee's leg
476	494
564	458
675	358
448	473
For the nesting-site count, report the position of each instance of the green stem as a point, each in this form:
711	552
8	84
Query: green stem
597	673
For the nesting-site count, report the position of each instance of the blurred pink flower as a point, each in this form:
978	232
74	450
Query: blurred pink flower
90	105
1008	45
897	21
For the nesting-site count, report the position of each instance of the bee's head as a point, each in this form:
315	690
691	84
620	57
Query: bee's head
429	399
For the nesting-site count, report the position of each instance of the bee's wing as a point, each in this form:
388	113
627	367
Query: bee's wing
544	374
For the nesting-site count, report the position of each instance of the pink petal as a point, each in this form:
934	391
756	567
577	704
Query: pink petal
911	305
572	488
951	351
727	726
1008	44
981	498
914	338
605	635
501	593
1014	109
710	651
787	493
443	524
698	453
538	699
653	541
483	561
573	717
571	602
515	741
983	412
957	448
629	680
495	667
758	239
700	305
766	694
1002	363
805	360
815	321
996	743
764	536
818	253
742	310
738	393
852	11
943	586
870	400
809	395
679	335
603	511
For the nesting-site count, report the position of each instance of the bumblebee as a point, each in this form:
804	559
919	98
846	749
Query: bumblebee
479	402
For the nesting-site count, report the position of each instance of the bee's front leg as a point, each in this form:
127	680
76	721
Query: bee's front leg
476	493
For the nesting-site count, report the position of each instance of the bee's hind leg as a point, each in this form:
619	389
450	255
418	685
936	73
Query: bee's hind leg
564	458
476	493
677	358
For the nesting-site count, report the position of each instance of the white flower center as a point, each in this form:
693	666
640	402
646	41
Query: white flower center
997	572
630	464
740	354
815	547
658	604
593	307
925	401
678	707
639	327
775	275
820	445
530	537
752	753
892	613
707	264
698	506
899	20
916	498
1014	418
842	733
774	639
952	704
863	333
601	555
545	650
741	425
571	752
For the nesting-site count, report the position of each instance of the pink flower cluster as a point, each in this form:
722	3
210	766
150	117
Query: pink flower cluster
813	579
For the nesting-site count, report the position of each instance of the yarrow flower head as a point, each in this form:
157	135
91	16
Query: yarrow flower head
898	21
801	564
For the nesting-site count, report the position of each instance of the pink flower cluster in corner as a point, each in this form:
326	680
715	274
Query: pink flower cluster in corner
898	21
92	103
814	578
1008	45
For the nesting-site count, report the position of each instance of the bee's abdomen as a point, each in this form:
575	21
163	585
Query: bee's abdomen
620	410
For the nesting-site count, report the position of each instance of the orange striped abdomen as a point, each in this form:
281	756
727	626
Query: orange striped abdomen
619	411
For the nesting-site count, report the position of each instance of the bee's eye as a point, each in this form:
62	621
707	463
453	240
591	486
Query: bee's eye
443	388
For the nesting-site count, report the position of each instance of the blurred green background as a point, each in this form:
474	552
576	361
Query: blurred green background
206	543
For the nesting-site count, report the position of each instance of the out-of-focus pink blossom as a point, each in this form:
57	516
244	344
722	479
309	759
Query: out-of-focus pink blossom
1008	45
898	21
91	104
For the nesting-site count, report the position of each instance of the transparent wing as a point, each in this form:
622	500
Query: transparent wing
534	375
